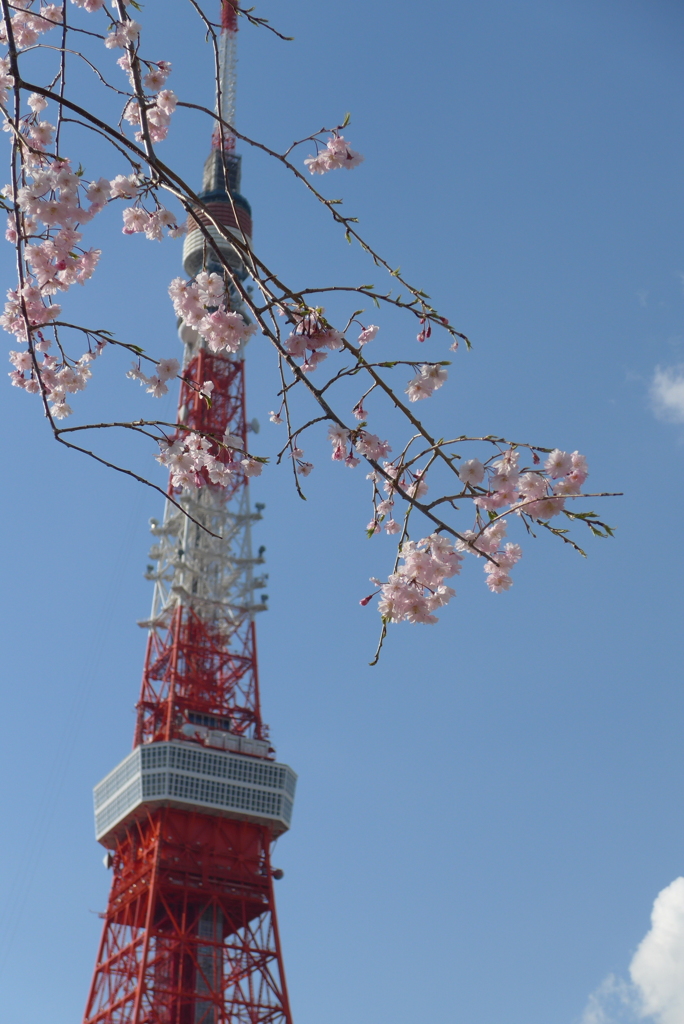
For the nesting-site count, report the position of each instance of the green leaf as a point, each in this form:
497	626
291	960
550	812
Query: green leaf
347	119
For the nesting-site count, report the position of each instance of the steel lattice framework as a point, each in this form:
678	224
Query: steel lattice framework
190	932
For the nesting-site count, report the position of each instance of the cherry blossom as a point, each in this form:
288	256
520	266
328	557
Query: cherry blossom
252	467
6	80
558	463
166	101
367	334
339	438
89	5
35	101
419	388
431	377
123	35
195	461
124	186
496	572
155	79
336	154
135	219
223	329
165	369
416	590
312	334
471	472
371	445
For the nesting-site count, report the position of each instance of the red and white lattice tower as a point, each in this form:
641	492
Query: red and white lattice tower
190	816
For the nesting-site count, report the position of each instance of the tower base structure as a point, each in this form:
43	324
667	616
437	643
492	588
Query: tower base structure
190	933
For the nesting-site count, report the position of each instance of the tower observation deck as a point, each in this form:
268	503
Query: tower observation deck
189	817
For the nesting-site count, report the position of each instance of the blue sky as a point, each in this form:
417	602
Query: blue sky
484	820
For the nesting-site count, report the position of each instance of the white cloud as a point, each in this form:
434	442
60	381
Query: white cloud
667	393
657	968
656	992
615	1001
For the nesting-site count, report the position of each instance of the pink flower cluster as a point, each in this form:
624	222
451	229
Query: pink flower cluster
31	302
56	266
310	336
136	219
52	203
125	33
363	441
89	5
539	494
166	369
28	25
430	378
411	483
6	80
501	559
157	111
57	380
417	589
50	198
302	467
121	35
53	195
203	305
336	154
192	463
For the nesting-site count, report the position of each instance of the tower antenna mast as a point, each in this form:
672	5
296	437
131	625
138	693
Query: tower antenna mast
225	101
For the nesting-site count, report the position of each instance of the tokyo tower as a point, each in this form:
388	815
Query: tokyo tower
189	818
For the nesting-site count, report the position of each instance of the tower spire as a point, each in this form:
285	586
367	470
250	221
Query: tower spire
225	101
189	817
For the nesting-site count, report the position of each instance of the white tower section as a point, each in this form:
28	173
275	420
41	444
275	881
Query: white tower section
204	558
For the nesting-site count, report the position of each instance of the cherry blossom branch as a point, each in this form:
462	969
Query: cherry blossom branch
47	209
135	476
